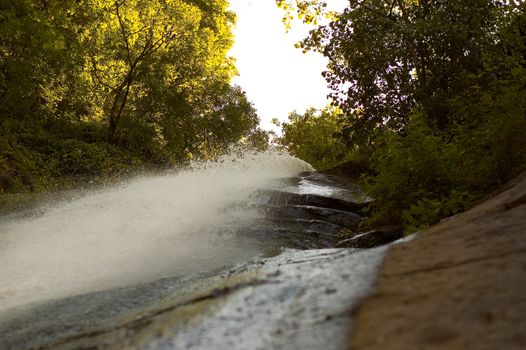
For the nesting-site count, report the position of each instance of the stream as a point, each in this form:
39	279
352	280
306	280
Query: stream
237	253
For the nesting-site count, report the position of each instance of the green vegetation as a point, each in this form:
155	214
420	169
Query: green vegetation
433	91
95	88
432	94
315	137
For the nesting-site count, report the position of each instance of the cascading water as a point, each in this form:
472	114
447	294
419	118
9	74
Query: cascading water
141	230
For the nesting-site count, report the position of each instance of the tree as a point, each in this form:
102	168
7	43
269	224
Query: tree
38	52
314	137
436	89
308	11
386	57
88	86
132	38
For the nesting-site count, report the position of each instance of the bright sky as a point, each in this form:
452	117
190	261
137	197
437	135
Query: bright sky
277	77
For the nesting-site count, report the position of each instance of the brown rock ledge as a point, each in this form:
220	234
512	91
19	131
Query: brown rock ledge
459	285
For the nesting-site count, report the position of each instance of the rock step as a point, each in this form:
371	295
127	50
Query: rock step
289	198
300	225
297	239
373	238
341	218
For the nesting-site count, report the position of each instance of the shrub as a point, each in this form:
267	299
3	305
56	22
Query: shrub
315	137
425	175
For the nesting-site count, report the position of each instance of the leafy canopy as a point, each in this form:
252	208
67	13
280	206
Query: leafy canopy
314	136
146	78
436	90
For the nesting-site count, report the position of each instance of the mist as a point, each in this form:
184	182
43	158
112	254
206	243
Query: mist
137	231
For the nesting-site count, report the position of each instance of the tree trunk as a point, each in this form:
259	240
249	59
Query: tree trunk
118	105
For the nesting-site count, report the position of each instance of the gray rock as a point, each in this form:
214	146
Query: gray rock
322	227
373	238
281	198
297	300
293	235
306	212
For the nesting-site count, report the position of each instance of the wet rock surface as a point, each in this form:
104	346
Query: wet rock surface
340	218
290	299
297	300
315	200
311	210
373	238
321	205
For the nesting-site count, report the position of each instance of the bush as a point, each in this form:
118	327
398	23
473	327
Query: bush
36	160
17	167
424	175
315	137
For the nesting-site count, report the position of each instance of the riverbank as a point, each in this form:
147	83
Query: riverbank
459	285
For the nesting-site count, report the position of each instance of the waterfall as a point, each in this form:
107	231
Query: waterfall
140	230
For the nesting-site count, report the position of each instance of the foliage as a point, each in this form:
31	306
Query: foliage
424	175
387	57
436	90
413	185
428	172
92	87
308	11
314	137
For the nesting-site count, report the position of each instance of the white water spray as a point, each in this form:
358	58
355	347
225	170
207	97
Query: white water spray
144	229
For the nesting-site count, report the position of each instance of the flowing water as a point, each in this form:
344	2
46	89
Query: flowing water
139	231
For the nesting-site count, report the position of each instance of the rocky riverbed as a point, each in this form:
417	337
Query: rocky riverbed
293	295
458	285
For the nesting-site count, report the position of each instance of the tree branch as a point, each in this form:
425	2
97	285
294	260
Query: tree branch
123	30
379	13
99	79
